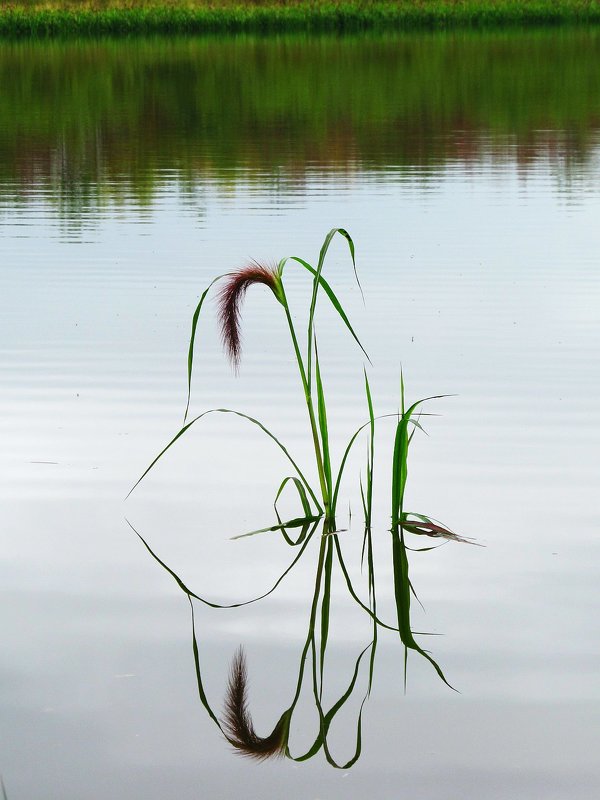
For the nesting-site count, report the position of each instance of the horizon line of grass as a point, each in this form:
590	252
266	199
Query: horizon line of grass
21	20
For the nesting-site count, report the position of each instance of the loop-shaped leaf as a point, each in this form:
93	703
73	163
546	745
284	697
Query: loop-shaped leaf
265	430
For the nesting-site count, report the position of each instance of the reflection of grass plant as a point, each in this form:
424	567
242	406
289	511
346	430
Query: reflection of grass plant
236	724
316	506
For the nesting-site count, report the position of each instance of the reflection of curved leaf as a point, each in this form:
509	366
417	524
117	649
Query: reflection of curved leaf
325	720
189	592
353	592
201	691
402	591
313	652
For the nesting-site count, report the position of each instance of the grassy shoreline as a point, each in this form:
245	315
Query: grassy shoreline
124	17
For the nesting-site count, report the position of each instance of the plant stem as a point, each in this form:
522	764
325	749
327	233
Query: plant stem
311	413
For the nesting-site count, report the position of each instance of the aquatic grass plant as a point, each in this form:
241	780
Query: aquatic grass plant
233	288
123	17
318	508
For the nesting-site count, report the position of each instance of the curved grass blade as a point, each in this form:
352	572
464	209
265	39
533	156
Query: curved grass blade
192	340
331	295
243	416
301	493
316	284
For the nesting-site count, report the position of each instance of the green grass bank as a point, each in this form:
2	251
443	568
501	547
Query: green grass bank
32	18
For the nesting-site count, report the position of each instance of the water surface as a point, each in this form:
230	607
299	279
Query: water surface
466	167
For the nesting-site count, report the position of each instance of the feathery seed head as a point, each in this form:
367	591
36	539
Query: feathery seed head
230	301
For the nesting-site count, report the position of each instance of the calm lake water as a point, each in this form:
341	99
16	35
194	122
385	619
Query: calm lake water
467	169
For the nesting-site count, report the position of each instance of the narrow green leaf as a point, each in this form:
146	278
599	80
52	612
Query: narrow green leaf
332	297
316	284
370	453
400	456
190	363
322	416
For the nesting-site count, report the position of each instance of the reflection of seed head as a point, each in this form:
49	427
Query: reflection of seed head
237	722
230	300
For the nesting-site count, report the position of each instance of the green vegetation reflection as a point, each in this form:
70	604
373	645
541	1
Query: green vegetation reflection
98	122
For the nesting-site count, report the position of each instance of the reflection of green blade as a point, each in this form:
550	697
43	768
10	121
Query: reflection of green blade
189	592
402	590
322	591
325	607
201	691
325	720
